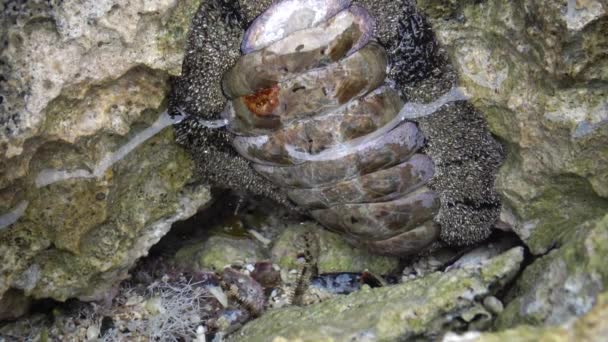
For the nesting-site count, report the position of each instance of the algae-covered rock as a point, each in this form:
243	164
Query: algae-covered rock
538	71
89	179
591	327
421	308
331	253
564	283
145	194
218	251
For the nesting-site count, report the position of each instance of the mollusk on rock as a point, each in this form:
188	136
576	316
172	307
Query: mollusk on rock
309	107
286	17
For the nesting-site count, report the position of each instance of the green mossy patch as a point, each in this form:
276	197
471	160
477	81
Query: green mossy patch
218	252
331	252
100	218
420	308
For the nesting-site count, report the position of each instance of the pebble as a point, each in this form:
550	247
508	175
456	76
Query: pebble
493	304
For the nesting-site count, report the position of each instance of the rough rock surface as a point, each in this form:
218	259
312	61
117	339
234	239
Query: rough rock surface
564	283
218	251
331	252
538	72
422	308
588	328
79	81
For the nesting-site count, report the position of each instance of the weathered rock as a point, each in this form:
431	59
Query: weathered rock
218	251
564	283
450	258
421	309
537	70
80	200
331	253
588	328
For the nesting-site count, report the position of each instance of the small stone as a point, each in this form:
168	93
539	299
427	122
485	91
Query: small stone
265	274
493	304
200	334
92	332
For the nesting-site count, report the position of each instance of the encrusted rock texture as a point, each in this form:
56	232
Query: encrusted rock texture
423	308
79	80
538	72
588	328
562	284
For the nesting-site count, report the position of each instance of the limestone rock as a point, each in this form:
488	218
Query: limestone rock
421	308
564	283
88	179
588	328
538	71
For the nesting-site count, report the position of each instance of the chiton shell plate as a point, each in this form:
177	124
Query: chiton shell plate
310	107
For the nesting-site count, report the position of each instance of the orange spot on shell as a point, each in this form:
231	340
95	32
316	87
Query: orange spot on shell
263	102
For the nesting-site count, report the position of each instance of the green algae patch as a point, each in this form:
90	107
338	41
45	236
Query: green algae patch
100	220
330	251
68	211
218	252
420	308
146	185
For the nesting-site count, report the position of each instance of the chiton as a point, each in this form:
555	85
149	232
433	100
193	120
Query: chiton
310	107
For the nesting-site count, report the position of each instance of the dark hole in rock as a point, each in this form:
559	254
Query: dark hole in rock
107	323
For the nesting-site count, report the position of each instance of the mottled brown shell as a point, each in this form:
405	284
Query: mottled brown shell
313	114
